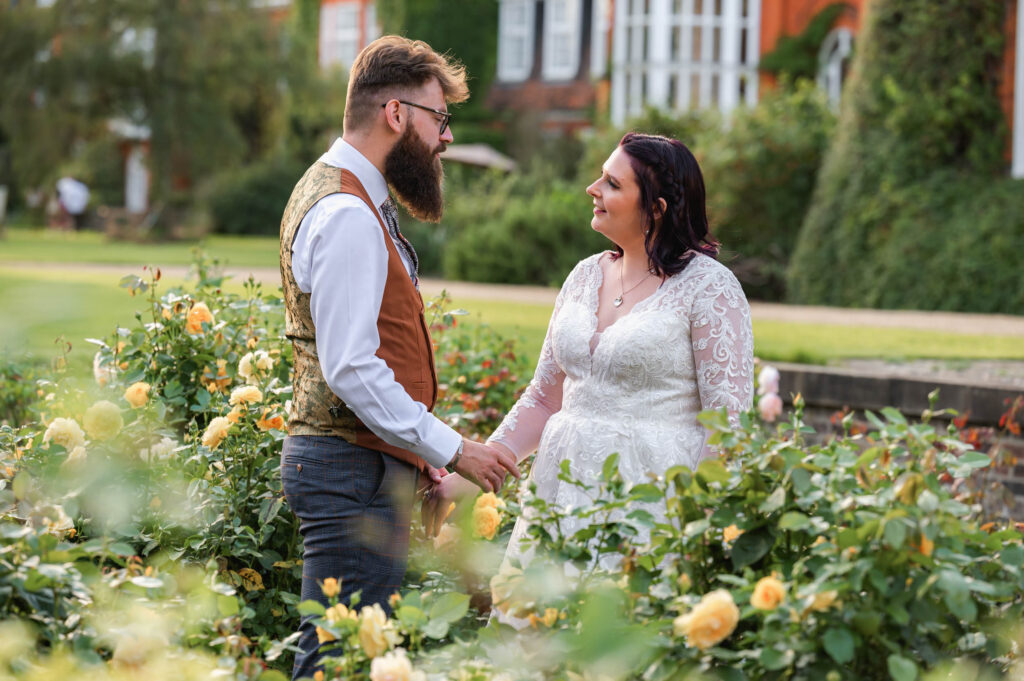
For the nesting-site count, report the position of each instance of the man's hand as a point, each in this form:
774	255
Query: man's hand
486	466
438	500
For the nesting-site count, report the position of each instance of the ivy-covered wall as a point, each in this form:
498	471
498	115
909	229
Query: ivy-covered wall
912	207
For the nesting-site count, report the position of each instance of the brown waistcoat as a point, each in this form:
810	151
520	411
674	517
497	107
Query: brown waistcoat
405	344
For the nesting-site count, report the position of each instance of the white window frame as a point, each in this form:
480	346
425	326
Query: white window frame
600	24
512	35
835	50
564	33
339	34
721	73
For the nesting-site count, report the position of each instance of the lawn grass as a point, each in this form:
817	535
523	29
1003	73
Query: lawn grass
39	306
47	245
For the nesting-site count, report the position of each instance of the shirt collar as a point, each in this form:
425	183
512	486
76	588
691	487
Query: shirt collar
344	155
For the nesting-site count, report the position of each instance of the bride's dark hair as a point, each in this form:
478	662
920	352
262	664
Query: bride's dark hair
666	169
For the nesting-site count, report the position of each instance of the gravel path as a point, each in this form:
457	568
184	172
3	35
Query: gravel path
953	322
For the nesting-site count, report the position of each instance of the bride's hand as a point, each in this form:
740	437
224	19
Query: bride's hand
438	500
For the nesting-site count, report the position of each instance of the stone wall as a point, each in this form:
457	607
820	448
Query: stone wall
829	391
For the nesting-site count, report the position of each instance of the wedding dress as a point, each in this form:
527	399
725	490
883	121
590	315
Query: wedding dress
634	388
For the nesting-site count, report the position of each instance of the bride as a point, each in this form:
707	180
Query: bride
641	340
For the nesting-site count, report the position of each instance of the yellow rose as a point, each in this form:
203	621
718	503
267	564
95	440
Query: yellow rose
926	546
331	587
486	521
245	394
196	316
66	433
339	612
394	666
488	500
710	622
731	533
323	635
216	381
275	422
235	415
824	600
137	394
769	592
75	455
216	432
103	420
376	633
548	619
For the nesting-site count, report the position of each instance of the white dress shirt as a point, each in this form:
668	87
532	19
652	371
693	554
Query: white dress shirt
340	258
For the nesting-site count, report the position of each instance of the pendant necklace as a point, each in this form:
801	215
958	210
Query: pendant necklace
618	301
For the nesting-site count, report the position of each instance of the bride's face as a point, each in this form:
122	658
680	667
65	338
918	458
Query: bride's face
617	201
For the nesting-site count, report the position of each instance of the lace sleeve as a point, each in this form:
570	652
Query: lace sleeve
723	345
521	429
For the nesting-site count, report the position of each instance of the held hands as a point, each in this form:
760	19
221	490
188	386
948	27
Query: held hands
486	465
481	465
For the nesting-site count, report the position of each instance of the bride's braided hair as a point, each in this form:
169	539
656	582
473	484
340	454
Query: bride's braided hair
666	169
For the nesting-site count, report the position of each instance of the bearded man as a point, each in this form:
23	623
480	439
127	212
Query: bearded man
360	430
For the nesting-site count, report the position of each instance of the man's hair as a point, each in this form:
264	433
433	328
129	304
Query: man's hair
391	66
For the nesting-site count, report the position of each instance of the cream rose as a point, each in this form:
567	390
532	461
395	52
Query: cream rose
216	432
504	585
823	600
64	432
159	450
394	666
137	394
769	592
253	364
103	420
376	633
710	622
245	394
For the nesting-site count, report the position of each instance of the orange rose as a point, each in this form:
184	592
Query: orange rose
199	314
710	622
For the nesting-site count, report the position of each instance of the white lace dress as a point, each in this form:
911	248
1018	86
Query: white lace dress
635	388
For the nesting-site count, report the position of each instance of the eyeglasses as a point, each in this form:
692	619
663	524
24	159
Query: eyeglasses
445	116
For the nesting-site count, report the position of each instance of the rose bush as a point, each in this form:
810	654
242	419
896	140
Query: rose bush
862	556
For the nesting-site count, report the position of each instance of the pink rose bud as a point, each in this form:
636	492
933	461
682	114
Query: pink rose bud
770	406
768	381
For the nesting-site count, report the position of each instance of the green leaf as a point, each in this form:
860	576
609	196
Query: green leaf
794	520
927	501
227	605
776	659
312	608
21	485
894	416
436	629
895	533
774	502
411	617
751	546
839	644
713	470
270	512
610	466
450	608
901	669
974	460
272	675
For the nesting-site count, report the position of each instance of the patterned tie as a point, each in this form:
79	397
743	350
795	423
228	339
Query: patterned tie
389	211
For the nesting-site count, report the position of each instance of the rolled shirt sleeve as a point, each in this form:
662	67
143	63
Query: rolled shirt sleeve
343	261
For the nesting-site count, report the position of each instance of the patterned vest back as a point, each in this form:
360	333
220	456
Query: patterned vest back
405	344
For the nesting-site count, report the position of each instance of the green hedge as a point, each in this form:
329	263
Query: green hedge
919	145
252	200
760	176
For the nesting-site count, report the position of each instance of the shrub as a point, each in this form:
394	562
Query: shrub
913	107
760	175
252	200
520	230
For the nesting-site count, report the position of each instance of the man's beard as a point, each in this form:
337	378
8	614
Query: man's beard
416	176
